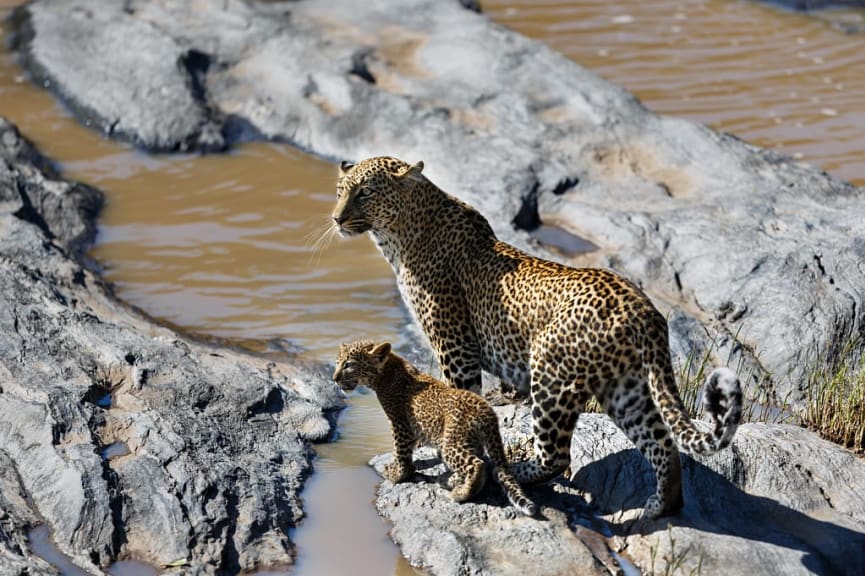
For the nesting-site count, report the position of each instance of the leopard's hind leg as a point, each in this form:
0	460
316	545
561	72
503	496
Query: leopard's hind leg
459	452
632	408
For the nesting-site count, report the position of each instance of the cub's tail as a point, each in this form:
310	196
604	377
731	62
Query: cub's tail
514	492
722	402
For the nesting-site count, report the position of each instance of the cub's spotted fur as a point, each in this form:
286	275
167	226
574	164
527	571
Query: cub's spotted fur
562	333
421	409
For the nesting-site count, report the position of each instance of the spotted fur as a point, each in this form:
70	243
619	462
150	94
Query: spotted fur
422	409
561	333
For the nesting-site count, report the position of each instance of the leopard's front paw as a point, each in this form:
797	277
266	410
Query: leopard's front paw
653	508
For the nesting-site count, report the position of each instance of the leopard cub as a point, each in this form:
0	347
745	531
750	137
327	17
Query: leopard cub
424	410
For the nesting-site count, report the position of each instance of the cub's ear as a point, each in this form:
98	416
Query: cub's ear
345	166
412	171
381	351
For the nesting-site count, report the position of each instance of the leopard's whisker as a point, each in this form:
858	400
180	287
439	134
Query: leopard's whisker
318	230
324	237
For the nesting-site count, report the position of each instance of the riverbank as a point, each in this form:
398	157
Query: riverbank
747	250
128	439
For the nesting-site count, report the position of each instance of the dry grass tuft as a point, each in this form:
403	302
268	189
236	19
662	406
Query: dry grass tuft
835	400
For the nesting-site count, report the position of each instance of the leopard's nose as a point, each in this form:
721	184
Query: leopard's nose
339	220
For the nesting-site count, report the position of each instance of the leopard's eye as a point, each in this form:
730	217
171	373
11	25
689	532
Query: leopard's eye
363	193
349	365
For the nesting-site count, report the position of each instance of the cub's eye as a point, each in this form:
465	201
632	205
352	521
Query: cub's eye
350	365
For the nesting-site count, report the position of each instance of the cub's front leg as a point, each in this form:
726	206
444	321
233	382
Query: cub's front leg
403	444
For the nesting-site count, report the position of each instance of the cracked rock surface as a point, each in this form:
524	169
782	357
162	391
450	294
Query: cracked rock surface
759	261
215	443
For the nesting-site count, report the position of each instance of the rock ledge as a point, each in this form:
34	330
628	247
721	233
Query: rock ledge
127	439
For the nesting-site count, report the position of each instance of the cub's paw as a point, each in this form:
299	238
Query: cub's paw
396	472
453	481
463	492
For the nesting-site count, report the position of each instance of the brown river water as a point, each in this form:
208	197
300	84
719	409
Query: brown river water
225	245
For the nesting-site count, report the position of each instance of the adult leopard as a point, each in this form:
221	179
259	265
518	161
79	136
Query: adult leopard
564	333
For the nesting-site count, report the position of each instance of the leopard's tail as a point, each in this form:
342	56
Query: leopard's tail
513	490
722	402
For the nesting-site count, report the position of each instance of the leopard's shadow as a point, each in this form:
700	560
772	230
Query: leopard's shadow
713	504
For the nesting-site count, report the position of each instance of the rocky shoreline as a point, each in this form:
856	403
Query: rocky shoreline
215	443
752	255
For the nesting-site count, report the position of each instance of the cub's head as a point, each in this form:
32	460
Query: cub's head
370	194
360	363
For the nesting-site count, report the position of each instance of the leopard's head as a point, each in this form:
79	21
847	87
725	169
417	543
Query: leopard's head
371	194
360	363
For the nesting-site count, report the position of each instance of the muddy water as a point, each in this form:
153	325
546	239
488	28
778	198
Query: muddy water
776	79
224	245
44	547
227	246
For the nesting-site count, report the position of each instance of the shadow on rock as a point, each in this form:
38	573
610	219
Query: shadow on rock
715	505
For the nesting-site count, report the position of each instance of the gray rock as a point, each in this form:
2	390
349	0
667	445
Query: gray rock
488	537
217	441
152	74
812	5
16	516
779	501
754	256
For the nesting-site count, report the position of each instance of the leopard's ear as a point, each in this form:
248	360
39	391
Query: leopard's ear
381	351
345	166
412	171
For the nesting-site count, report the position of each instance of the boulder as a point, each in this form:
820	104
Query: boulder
127	439
488	537
153	74
779	501
754	256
